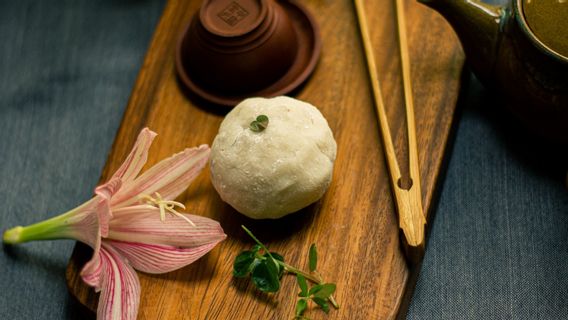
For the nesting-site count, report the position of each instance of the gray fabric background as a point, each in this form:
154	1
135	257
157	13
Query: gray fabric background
498	246
66	72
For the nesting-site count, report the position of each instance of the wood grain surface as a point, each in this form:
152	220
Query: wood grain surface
354	225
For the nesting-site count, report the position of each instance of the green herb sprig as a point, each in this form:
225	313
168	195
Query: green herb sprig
266	269
259	124
321	293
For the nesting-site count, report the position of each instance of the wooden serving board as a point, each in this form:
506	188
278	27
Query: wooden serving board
354	225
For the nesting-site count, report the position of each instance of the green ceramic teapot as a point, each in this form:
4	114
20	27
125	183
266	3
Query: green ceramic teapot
522	51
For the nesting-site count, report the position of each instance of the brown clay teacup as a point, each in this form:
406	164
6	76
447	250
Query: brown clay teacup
235	48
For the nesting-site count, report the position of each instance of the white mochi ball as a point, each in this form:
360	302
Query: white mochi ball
279	170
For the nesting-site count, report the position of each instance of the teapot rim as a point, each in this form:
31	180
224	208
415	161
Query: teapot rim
520	17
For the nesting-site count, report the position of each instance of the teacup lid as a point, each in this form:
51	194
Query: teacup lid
305	27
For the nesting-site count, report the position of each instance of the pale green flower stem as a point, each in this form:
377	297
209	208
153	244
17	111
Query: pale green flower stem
59	227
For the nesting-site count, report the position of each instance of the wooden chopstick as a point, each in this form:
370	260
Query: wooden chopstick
409	101
408	201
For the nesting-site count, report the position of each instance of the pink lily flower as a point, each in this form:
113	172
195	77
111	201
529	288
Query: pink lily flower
126	225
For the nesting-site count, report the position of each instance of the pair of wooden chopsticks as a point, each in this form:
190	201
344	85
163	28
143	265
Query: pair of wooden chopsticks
408	200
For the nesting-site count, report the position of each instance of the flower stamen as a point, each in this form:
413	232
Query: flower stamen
166	205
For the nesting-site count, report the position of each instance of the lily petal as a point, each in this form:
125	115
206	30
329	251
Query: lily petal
152	258
141	223
169	177
137	157
104	193
92	271
99	225
120	294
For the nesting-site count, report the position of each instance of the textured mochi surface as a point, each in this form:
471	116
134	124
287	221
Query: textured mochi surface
277	171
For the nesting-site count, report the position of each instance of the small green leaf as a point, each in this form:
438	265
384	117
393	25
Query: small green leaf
243	264
313	257
254	126
315	289
259	124
263	120
278	257
303	285
322	303
327	289
301	307
265	276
